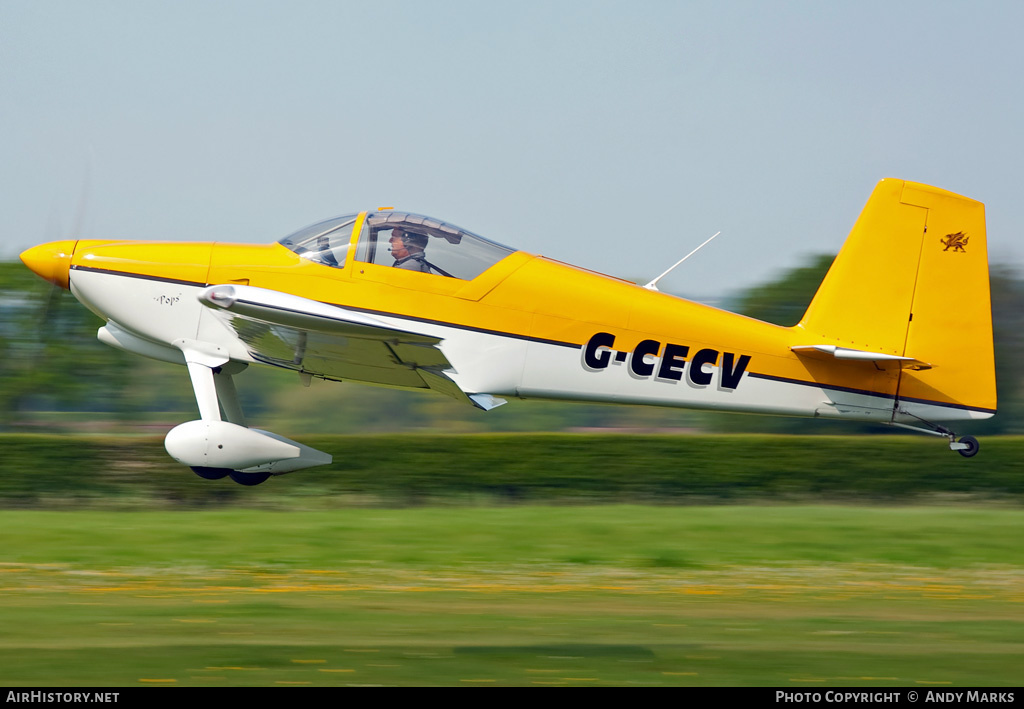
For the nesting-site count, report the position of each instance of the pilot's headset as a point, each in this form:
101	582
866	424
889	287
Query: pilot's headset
414	239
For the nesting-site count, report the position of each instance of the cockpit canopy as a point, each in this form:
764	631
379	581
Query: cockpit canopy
324	241
400	239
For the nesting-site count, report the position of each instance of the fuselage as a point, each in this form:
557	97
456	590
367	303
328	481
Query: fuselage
525	327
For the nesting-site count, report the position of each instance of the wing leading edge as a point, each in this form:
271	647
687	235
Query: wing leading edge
332	342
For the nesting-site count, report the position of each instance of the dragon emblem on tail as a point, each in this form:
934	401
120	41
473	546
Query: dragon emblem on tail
956	241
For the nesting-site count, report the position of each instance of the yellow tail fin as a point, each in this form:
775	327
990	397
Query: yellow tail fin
912	281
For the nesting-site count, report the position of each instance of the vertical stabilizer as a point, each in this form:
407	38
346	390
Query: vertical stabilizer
912	280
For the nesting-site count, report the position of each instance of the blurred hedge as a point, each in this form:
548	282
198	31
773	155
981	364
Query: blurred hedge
60	472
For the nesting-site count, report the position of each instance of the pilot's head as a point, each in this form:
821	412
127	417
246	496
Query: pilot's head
405	243
415	241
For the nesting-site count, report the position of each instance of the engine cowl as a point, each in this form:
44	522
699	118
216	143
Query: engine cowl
220	444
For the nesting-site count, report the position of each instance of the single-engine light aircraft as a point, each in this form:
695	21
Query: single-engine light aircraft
899	332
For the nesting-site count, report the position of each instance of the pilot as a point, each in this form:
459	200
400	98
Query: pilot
407	250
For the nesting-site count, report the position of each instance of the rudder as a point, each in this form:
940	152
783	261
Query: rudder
912	281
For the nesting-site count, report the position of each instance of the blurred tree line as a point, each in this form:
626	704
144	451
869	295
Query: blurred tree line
57	376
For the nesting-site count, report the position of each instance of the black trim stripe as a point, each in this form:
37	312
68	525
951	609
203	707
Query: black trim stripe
962	407
819	385
161	279
456	326
557	343
370	311
865	392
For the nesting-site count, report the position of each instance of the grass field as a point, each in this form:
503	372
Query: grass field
793	596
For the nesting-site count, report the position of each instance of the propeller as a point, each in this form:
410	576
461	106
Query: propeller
51	260
50	321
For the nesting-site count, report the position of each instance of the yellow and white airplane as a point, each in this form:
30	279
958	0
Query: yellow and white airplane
900	331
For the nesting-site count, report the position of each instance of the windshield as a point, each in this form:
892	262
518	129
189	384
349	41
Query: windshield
325	242
418	243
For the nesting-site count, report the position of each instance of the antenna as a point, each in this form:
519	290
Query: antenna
653	285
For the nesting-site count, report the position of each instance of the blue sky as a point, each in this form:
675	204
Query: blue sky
613	135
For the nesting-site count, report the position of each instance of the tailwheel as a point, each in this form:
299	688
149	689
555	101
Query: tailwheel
971	446
967	446
248	479
211	473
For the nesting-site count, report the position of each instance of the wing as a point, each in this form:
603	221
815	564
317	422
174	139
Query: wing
333	342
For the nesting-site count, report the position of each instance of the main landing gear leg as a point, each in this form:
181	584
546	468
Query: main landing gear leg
227	396
220	444
216	395
967	446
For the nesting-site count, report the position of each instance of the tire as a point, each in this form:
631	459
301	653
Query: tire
972	449
211	473
248	479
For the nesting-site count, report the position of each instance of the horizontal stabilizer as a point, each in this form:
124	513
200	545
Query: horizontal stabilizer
846	353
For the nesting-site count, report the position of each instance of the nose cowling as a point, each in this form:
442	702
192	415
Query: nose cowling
51	261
